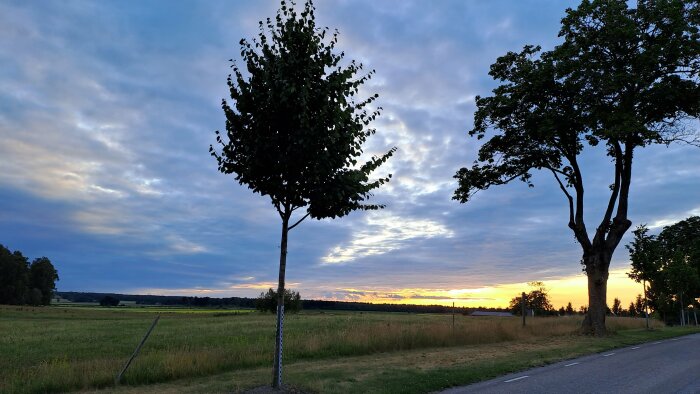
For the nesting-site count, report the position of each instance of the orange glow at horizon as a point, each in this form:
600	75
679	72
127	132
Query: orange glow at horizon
561	291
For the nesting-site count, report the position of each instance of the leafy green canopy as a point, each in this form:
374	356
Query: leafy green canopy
670	262
24	283
295	132
623	77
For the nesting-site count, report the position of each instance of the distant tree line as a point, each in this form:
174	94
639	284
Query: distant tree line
243	302
108	300
22	283
237	302
405	308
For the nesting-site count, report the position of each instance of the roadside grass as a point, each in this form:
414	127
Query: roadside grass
55	349
415	371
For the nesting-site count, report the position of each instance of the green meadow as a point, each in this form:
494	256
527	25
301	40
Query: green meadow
57	349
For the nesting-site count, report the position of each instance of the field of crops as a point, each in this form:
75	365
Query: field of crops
50	349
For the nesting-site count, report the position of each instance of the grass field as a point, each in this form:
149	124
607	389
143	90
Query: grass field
55	349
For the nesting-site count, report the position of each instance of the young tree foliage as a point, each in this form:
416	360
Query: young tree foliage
623	78
295	130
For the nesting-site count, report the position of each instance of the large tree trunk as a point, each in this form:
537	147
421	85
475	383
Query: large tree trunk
597	264
277	378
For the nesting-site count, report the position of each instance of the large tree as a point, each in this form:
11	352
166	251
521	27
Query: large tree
295	131
43	277
22	283
14	277
623	78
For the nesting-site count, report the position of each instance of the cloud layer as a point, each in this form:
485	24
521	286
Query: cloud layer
107	111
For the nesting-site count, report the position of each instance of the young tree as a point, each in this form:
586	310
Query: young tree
623	78
295	132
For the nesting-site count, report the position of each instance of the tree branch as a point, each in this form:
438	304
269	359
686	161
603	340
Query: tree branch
579	225
605	223
299	221
620	224
572	222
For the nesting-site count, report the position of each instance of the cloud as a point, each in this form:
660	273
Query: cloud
383	233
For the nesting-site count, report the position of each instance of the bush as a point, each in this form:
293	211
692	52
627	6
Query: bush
109	301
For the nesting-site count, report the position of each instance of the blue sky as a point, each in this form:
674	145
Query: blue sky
107	110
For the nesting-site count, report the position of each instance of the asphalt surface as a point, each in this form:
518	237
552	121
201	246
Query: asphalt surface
669	366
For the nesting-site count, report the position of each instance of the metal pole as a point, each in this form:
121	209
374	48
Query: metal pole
136	352
522	307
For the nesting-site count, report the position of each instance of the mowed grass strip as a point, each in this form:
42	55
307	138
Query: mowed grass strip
61	349
414	371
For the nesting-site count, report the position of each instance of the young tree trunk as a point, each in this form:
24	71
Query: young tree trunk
277	369
682	316
597	265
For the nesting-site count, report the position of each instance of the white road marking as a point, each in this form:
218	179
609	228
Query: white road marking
675	339
655	343
633	348
514	379
568	365
608	355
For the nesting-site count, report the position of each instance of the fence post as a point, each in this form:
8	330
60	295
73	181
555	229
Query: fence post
522	307
136	352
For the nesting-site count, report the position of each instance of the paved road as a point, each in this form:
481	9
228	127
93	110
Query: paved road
669	366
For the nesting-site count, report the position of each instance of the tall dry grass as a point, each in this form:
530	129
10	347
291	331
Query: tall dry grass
49	350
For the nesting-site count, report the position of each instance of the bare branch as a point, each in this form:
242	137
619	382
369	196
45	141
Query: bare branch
298	221
572	222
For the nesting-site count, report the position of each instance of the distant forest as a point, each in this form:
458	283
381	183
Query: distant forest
243	302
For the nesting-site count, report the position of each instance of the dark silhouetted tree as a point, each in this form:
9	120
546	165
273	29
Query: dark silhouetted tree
633	310
108	300
639	305
569	309
623	78
536	300
267	301
294	131
617	307
14	277
43	277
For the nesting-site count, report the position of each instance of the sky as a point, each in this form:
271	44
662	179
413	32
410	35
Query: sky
107	111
